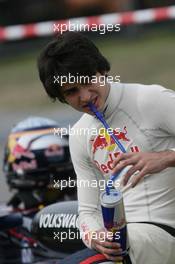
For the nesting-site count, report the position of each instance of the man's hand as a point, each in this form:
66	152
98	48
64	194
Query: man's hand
102	244
143	163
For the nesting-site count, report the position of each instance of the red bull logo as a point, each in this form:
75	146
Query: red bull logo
20	151
121	135
105	141
23	159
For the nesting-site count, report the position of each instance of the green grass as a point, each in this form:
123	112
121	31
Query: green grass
146	59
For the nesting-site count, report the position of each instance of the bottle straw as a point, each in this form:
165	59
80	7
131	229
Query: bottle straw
107	127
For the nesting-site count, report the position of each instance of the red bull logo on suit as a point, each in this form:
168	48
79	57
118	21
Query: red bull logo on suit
104	139
104	142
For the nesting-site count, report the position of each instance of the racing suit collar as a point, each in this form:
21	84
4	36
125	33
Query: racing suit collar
113	99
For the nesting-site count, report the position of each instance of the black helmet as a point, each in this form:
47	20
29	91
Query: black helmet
34	154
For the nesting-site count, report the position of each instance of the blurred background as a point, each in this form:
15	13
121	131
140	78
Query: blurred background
141	53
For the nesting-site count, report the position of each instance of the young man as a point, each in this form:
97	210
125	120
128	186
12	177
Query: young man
143	119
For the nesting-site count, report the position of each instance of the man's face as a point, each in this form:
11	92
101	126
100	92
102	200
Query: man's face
79	95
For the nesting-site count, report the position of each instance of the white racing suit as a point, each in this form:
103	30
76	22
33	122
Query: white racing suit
143	117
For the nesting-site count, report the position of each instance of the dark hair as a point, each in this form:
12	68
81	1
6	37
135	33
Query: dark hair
70	53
